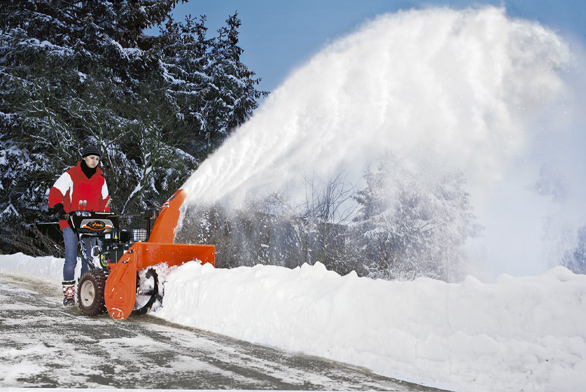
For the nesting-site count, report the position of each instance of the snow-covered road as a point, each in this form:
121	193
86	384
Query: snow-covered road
45	345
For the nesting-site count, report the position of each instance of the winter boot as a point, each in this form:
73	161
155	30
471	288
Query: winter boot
68	292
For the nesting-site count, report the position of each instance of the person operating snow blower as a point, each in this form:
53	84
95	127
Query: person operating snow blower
81	187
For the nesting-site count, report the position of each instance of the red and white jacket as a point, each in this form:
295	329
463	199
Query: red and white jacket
73	186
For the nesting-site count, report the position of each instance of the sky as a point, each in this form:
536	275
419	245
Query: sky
279	35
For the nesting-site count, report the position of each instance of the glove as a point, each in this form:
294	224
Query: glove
59	211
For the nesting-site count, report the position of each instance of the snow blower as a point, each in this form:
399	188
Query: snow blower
122	277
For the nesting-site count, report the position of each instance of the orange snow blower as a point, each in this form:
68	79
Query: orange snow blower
122	270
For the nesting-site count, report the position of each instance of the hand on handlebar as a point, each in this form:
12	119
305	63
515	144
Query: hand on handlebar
58	211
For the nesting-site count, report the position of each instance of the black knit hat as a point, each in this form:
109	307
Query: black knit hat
90	150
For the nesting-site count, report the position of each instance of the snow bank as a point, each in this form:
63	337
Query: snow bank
516	334
41	266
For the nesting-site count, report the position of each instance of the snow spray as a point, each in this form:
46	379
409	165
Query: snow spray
474	89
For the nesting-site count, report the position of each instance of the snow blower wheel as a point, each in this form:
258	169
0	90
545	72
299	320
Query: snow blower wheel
90	293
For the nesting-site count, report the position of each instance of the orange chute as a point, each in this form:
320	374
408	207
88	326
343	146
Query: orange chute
120	290
166	224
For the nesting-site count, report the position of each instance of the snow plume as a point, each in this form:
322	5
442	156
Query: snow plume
475	90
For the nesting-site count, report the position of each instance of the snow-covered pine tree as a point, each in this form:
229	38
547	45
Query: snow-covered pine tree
232	92
211	90
411	225
575	259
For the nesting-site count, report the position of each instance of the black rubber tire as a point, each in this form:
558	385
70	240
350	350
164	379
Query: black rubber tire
90	293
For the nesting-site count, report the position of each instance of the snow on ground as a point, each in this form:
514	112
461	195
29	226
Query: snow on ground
515	334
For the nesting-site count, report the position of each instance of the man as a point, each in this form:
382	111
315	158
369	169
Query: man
81	187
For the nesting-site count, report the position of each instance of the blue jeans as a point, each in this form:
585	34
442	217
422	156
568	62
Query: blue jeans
71	241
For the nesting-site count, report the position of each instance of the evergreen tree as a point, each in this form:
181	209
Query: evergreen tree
209	88
575	259
409	225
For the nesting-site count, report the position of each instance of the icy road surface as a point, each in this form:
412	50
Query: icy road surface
45	345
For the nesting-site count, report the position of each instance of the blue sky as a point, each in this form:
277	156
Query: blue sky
279	35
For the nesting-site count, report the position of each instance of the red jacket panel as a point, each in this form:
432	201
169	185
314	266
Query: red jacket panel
74	187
